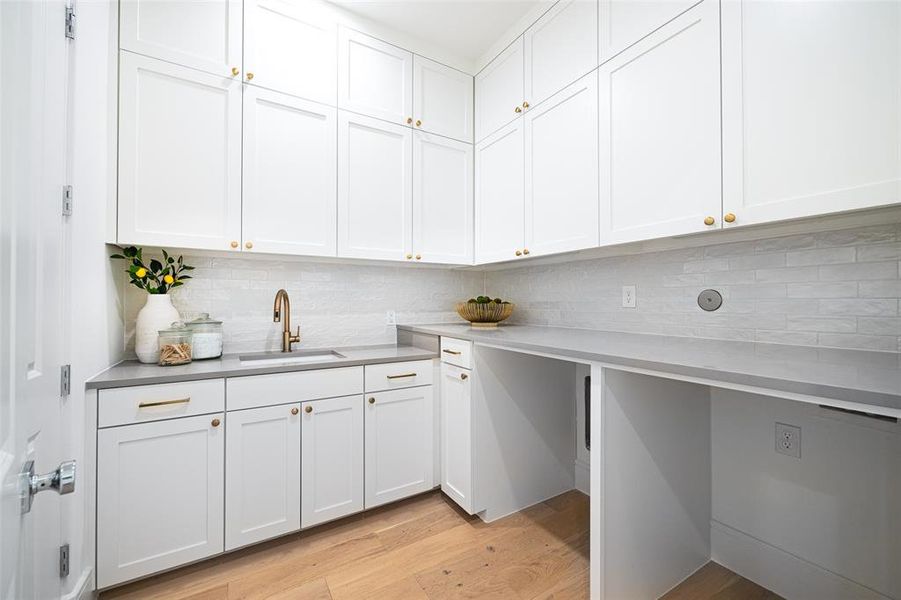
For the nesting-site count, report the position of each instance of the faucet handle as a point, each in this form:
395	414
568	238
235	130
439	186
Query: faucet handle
296	338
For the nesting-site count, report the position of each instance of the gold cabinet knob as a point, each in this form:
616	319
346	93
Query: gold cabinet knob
517	109
525	250
235	71
419	257
234	244
248	245
709	221
215	422
464	376
409	120
295	410
518	253
409	256
525	105
418	123
729	218
308	409
249	76
372	400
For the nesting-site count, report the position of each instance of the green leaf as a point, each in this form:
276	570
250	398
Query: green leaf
116	256
130	251
165	254
180	277
188	268
156	266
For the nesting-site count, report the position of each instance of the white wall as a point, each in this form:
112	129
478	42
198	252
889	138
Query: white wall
96	296
836	507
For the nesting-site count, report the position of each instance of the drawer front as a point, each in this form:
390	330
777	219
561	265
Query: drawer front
456	352
390	376
285	388
145	403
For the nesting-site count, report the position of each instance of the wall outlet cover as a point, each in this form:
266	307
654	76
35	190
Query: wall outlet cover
629	296
390	318
788	440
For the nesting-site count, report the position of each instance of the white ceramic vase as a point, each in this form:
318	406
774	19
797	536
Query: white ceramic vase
158	313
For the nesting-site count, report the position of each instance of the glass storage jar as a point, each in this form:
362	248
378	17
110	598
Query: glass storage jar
175	345
207	341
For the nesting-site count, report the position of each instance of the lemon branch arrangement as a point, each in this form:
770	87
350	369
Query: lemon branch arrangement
156	277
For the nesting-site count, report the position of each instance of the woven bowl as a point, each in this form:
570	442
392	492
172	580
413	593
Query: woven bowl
484	315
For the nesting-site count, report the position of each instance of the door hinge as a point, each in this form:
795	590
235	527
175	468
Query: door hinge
64	560
65	380
70	22
68	198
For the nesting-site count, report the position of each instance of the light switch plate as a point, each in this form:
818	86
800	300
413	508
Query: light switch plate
629	293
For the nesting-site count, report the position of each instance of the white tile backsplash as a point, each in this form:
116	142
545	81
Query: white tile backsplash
836	288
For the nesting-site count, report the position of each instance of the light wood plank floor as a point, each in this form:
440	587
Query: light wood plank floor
422	548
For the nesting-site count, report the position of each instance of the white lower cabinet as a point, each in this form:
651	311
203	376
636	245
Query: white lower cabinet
456	436
331	459
262	483
159	496
399	444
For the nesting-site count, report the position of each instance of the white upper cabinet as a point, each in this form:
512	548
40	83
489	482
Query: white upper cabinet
290	47
499	90
811	108
331	459
561	173
621	23
198	34
179	156
289	200
660	131
374	77
442	99
375	187
399	444
442	199
262	474
560	48
499	176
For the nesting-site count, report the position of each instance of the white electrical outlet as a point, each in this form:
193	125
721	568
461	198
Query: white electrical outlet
629	296
390	318
788	440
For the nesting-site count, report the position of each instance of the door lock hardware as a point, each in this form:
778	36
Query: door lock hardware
62	480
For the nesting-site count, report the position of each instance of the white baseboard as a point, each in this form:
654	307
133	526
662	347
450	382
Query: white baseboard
83	588
779	571
583	477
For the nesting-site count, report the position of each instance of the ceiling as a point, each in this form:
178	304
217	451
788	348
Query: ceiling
466	28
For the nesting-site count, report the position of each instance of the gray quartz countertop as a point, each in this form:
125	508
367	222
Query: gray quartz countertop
860	377
132	372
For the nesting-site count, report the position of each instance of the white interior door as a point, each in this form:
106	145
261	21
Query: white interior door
561	188
659	107
290	47
290	201
499	90
499	176
375	78
800	139
442	99
442	199
33	245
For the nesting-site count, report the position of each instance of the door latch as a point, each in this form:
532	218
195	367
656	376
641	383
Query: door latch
62	480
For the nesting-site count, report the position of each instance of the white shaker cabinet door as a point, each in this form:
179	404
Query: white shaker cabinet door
201	34
179	156
560	47
442	199
374	77
442	99
561	176
456	436
290	167
262	482
159	496
331	459
621	23
399	444
499	90
499	176
375	188
291	47
660	132
811	108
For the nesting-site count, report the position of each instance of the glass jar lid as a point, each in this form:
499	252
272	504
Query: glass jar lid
176	328
204	319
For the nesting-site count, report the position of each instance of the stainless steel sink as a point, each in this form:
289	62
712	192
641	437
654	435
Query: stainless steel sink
289	358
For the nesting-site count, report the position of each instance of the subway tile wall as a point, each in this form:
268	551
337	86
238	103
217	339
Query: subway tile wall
837	288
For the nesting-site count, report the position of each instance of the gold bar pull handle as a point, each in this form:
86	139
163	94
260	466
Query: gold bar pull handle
454	352
164	402
401	376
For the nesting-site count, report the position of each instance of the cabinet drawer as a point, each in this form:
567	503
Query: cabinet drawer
456	352
391	376
156	402
283	388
